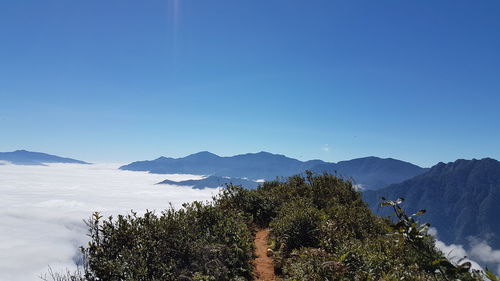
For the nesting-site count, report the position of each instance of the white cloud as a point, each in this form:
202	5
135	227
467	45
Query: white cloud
432	231
456	254
43	208
359	187
326	148
483	252
478	252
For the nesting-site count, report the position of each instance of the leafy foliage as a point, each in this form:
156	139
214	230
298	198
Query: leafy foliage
297	225
199	242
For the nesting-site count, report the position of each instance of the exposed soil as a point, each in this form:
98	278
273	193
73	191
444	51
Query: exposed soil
264	268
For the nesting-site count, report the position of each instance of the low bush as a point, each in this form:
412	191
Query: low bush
199	242
255	204
297	225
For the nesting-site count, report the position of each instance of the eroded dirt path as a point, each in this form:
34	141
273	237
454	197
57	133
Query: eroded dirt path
264	268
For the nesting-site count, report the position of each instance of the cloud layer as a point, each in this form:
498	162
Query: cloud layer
43	208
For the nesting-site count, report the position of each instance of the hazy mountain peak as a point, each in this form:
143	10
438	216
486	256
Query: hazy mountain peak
260	153
203	154
24	157
162	158
268	153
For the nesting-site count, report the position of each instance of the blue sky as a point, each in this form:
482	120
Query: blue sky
122	80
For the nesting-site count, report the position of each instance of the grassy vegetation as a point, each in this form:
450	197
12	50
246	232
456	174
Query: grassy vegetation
320	230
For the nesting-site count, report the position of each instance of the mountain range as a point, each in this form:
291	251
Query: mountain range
23	157
369	172
462	199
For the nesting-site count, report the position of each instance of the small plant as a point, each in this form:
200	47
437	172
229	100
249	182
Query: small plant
406	226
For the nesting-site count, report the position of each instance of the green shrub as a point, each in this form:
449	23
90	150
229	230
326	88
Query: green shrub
200	240
297	225
312	264
348	222
255	204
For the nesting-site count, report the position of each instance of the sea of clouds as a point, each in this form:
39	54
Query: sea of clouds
43	208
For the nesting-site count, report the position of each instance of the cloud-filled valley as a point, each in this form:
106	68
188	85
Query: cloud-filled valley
43	208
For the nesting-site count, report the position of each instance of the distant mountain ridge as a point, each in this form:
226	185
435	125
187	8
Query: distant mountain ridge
23	157
369	172
213	182
462	199
262	165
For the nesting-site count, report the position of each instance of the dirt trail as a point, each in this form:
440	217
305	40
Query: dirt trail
264	268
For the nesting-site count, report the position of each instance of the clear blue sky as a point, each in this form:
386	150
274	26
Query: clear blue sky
122	80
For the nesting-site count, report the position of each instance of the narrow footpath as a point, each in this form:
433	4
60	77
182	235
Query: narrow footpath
263	265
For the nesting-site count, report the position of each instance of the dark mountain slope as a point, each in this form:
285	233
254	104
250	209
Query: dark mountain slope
373	172
462	199
23	157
